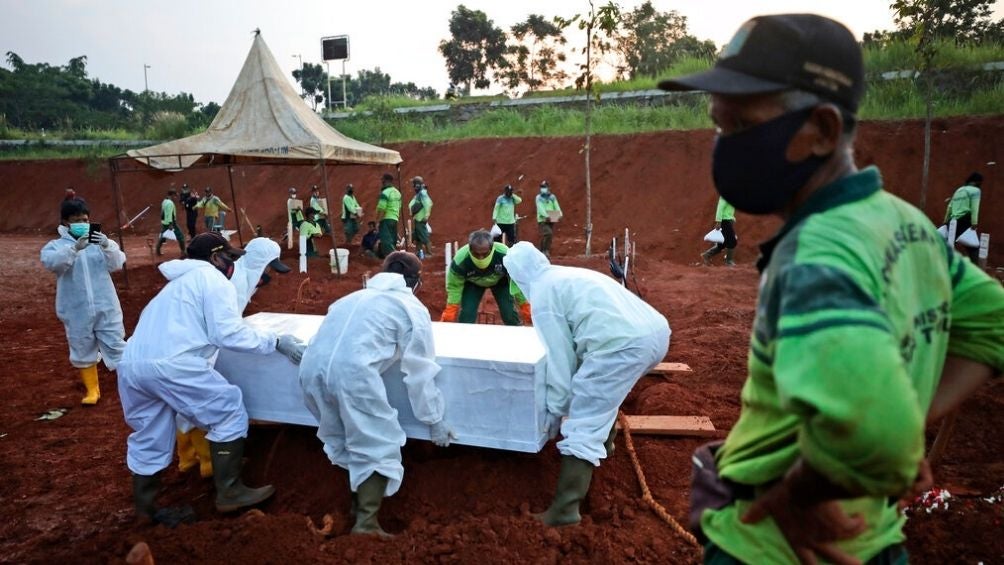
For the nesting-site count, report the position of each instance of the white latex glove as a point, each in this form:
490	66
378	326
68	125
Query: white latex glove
291	347
441	434
81	243
553	425
100	239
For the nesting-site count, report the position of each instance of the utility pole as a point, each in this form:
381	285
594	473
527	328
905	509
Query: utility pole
345	99
146	85
328	70
300	57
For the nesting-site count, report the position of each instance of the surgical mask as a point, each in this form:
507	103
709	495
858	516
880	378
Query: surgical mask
751	171
483	263
544	190
79	229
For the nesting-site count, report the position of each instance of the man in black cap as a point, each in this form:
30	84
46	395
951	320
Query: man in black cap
189	200
964	208
860	301
167	369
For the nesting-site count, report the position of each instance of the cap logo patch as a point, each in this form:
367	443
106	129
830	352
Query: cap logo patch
738	40
831	75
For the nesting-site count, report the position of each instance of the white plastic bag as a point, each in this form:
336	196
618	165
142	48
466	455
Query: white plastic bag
969	238
943	230
169	235
714	236
496	230
428	228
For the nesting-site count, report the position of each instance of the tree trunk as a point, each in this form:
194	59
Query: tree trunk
589	123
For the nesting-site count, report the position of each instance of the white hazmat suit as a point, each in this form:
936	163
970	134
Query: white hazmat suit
600	339
167	366
361	337
86	301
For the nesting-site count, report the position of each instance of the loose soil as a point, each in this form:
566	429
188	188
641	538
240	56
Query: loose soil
66	493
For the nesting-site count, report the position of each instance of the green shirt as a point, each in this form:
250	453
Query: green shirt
859	303
966	200
211	205
168	213
546	203
295	214
505	209
390	203
463	270
310	229
725	211
350	206
322	209
426	211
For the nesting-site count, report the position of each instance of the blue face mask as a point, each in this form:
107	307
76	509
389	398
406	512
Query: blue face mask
79	230
751	171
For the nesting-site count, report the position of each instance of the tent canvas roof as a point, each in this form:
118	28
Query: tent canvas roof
264	117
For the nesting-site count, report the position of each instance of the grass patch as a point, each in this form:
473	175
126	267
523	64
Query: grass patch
900	56
43	151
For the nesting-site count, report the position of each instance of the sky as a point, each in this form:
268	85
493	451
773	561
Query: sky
198	46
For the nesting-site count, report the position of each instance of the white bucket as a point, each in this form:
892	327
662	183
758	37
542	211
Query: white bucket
342	256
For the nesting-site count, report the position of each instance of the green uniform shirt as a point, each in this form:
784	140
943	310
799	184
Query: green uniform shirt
505	209
859	303
350	206
295	214
966	200
168	213
426	211
546	203
390	203
463	270
309	229
322	211
725	211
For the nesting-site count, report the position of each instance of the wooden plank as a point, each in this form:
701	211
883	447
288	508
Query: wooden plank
671	425
666	368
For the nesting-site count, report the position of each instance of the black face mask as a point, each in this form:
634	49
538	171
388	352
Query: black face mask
349	192
750	168
414	283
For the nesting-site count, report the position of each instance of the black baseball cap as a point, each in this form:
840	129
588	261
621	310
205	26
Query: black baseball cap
782	52
278	266
205	244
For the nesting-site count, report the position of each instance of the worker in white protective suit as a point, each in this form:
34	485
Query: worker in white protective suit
86	301
362	336
167	370
600	339
250	274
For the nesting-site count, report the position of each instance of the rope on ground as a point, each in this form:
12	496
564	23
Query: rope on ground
646	494
299	293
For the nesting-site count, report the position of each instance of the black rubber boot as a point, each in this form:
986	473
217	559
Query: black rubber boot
573	485
368	499
231	493
707	255
144	491
729	257
160	242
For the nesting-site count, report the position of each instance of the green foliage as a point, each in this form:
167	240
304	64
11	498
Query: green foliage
533	58
377	83
167	125
476	48
650	41
313	83
899	55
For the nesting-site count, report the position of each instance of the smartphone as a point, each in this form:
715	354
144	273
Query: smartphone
95	228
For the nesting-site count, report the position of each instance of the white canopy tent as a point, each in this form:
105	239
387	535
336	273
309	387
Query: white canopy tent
263	121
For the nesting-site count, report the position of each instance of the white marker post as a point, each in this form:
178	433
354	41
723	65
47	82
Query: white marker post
449	258
303	254
984	249
952	227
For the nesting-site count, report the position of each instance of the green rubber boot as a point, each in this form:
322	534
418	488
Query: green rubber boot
368	499
231	493
573	485
729	257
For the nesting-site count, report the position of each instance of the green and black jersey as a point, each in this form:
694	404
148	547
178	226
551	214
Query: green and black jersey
860	301
463	270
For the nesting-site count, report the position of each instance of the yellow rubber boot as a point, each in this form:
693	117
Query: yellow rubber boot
89	375
186	452
201	445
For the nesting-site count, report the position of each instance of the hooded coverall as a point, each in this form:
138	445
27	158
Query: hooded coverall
86	301
600	339
361	337
167	365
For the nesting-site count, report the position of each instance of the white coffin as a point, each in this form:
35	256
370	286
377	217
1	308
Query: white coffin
492	380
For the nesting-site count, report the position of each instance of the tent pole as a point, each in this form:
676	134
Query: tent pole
233	198
324	181
118	217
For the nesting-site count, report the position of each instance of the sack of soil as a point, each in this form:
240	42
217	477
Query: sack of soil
969	238
714	236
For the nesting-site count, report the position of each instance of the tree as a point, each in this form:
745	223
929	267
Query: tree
313	82
533	60
476	48
600	27
650	41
